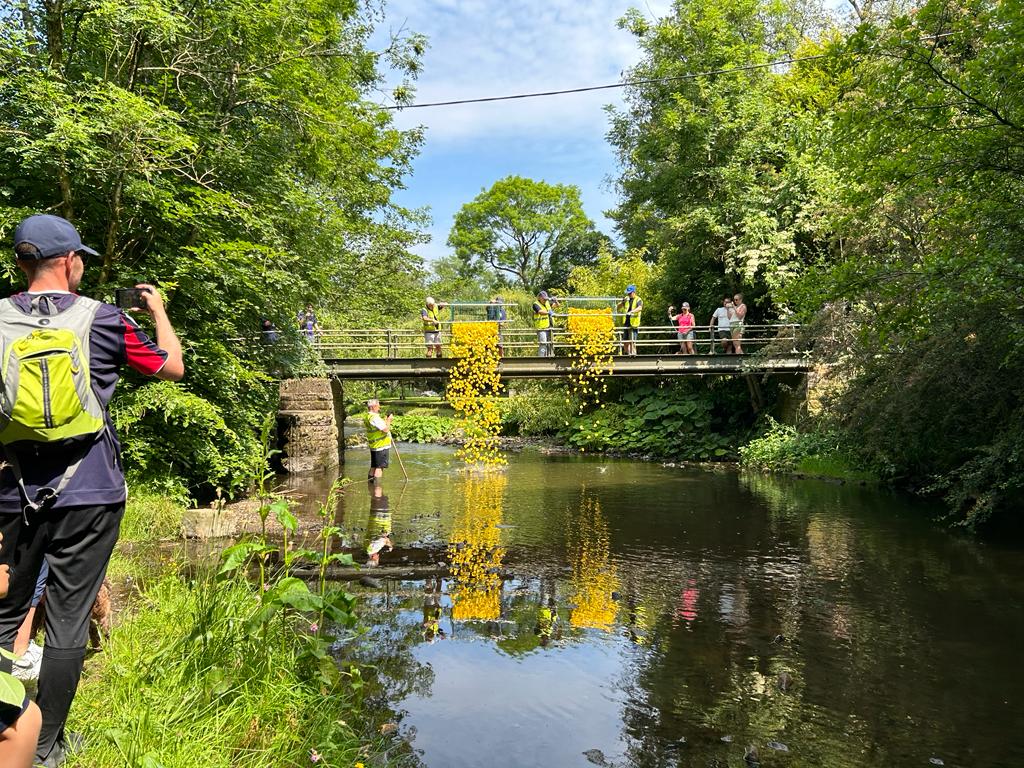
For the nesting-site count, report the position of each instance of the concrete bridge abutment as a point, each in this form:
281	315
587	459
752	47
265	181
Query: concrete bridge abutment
310	419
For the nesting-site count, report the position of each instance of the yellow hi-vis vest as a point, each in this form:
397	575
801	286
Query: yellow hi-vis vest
633	321
377	438
542	317
431	321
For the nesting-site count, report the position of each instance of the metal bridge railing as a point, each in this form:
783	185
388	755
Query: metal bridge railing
779	339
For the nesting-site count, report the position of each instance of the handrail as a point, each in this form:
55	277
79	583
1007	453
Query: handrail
656	340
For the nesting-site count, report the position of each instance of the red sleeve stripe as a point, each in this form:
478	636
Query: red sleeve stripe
141	353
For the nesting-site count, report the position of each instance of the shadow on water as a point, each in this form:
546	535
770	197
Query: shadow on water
588	611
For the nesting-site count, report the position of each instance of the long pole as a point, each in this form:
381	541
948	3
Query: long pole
394	444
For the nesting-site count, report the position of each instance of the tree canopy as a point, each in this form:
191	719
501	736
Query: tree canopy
227	151
529	231
880	177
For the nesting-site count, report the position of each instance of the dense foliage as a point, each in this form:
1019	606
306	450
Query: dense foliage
878	175
530	232
228	152
685	420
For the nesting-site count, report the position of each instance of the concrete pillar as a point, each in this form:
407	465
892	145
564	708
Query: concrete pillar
307	428
338	395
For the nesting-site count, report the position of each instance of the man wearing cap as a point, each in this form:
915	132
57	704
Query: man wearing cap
632	306
431	319
378	435
544	323
685	333
62	487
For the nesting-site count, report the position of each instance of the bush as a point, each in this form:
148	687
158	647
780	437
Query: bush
676	421
422	427
537	411
783	449
170	436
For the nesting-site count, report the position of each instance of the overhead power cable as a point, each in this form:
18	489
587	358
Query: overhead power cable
630	83
608	86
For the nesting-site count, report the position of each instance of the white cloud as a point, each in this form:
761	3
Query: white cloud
498	48
488	47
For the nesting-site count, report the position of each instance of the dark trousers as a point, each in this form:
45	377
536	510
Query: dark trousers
77	543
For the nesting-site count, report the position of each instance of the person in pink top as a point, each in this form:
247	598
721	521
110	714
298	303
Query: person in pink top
685	333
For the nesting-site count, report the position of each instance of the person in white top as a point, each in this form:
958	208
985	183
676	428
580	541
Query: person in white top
721	323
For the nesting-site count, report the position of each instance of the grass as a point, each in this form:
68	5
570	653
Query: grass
184	682
150	517
217	672
837	466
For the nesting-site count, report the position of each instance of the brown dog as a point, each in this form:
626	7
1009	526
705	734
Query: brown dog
100	619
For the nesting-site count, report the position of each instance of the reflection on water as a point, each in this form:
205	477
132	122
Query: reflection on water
669	617
594	581
475	552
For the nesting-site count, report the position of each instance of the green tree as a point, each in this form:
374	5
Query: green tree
928	144
721	177
611	273
518	226
226	150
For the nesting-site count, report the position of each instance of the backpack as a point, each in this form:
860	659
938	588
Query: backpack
46	394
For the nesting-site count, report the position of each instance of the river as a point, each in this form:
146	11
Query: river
622	613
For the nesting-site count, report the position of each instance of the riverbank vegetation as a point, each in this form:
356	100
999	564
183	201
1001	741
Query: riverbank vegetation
226	659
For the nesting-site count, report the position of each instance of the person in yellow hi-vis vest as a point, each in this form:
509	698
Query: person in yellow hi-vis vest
378	435
632	306
544	322
430	316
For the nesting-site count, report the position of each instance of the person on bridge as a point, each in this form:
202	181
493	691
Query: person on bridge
308	325
721	322
632	305
378	435
431	318
544	322
684	328
739	314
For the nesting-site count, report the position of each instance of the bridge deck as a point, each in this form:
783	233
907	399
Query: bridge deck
552	367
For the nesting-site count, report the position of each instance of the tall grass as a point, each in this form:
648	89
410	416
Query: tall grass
217	670
186	682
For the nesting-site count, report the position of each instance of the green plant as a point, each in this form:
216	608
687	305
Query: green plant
782	448
422	427
676	421
539	410
150	516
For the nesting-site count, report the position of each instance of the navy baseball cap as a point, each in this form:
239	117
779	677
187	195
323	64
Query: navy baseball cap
51	235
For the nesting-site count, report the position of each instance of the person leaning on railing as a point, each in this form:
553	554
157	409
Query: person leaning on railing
544	323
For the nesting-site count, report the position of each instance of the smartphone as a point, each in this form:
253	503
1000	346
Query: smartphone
129	298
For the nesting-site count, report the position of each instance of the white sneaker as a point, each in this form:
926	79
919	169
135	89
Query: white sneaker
26	667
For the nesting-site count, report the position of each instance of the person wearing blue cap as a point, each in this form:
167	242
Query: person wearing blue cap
544	323
632	306
62	486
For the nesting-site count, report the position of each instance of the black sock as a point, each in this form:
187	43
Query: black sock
58	681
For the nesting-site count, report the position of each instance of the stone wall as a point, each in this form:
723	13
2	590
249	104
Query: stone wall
309	425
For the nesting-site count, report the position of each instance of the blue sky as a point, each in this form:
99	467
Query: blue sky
489	47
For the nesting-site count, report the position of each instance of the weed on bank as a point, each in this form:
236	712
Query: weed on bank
239	664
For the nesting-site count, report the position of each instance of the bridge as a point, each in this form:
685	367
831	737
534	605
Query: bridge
312	411
401	354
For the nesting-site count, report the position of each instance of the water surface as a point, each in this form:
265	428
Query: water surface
676	617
